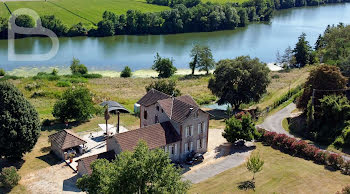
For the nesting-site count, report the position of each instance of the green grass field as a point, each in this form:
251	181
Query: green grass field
85	11
281	173
3	10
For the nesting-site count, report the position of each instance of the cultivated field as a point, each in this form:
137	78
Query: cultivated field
281	173
85	11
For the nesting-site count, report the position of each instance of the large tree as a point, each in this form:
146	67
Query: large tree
205	60
141	171
321	79
237	129
302	51
195	52
19	122
164	67
75	103
239	80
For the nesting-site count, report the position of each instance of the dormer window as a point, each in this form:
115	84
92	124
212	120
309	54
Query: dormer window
157	108
196	114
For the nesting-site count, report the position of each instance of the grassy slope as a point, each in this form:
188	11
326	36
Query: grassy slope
91	10
281	173
3	10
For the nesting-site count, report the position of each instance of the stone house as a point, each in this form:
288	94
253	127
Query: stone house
176	124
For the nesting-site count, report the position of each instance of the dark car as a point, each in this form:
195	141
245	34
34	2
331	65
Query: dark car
194	158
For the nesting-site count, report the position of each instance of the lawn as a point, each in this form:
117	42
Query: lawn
86	11
3	10
281	173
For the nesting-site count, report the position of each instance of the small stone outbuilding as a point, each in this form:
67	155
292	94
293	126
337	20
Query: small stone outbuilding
65	141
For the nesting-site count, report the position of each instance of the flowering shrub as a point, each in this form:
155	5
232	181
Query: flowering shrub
310	151
321	157
345	190
346	168
335	160
297	147
269	136
278	140
287	143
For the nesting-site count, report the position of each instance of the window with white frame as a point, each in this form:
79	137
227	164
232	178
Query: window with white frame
186	147
191	147
204	128
187	131
171	150
191	131
165	148
203	142
199	128
175	151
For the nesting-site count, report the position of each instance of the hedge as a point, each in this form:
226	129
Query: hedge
304	150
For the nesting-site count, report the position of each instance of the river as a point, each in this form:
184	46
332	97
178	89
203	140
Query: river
260	40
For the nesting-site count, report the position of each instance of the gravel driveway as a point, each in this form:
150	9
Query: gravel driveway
274	122
220	157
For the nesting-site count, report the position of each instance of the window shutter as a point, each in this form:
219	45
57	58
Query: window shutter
199	128
191	130
198	144
204	143
204	127
175	149
191	148
186	147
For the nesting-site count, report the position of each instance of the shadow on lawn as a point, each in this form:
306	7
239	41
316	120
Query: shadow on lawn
245	185
7	163
50	159
229	149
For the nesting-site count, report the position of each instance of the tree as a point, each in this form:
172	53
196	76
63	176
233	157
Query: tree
25	21
77	68
239	80
205	60
74	104
287	60
164	66
141	171
302	51
9	177
19	123
255	164
2	72
195	52
126	72
236	129
54	72
324	77
165	86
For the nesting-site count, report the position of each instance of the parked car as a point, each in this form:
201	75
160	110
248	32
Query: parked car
194	158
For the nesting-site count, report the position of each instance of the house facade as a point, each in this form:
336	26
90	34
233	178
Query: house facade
184	124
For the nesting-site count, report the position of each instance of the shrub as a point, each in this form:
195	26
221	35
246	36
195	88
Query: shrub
346	168
321	157
9	177
2	72
165	86
54	71
75	104
63	84
77	68
297	147
288	142
126	72
47	122
46	76
335	160
164	67
278	140
269	136
32	86
310	151
92	76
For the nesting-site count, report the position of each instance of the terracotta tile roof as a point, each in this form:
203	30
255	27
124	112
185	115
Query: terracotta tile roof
178	110
156	135
110	155
66	139
152	97
187	99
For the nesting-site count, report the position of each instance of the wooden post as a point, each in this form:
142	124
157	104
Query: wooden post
118	113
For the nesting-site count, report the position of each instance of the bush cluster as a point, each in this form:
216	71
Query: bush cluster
292	94
9	177
302	149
